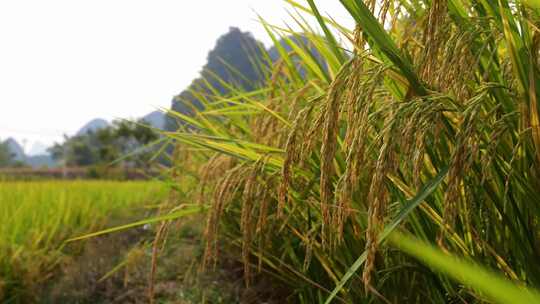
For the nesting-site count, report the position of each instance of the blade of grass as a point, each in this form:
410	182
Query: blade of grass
167	217
493	285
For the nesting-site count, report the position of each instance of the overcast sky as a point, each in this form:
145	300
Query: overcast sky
65	62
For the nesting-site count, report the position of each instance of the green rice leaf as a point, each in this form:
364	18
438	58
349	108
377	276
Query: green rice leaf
495	286
171	216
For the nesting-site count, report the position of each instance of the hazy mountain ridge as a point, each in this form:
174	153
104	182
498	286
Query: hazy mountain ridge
33	160
16	149
92	126
238	59
236	49
155	119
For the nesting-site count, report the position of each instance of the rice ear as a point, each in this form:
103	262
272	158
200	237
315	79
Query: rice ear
329	146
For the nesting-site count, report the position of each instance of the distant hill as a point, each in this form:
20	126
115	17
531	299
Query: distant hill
38	160
232	55
155	119
16	149
92	126
243	56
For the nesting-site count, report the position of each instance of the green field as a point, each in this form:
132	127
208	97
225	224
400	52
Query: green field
37	217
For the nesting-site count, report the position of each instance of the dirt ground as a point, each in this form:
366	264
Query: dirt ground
116	268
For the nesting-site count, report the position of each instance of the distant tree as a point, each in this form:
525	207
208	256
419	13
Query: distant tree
57	151
106	145
75	151
6	157
124	138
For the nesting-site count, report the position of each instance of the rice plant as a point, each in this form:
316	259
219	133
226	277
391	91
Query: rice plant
424	118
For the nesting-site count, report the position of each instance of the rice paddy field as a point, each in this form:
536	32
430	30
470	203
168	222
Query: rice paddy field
37	217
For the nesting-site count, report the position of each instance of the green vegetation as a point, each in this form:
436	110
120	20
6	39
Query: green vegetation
494	286
11	154
107	145
428	124
37	217
6	158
